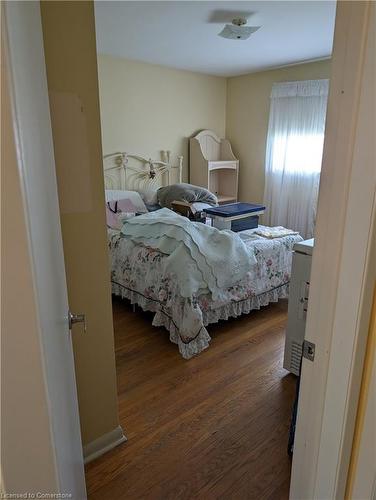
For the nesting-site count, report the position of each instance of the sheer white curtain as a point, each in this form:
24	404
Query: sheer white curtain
294	153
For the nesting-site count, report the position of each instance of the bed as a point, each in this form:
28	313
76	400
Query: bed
141	273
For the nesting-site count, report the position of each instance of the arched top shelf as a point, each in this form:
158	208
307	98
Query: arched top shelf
212	147
206	133
213	165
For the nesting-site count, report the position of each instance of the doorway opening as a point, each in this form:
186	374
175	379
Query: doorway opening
217	422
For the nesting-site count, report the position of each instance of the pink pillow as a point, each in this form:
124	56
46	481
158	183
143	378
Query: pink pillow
114	208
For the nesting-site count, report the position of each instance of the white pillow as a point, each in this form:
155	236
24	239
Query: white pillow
133	196
149	196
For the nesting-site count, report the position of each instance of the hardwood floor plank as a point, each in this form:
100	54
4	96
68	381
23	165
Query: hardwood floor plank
215	426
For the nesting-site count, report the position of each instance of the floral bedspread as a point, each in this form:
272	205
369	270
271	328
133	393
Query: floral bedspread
137	273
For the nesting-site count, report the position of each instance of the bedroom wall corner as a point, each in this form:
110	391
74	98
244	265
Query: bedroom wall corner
247	117
146	107
71	63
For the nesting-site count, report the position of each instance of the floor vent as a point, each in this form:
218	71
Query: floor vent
296	357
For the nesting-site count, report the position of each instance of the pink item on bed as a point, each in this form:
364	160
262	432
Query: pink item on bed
114	208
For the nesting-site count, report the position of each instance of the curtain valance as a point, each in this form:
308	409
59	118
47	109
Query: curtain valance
305	88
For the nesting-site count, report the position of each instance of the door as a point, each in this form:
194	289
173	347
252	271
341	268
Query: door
343	270
22	36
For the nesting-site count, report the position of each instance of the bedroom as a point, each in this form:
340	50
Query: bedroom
215	425
155	109
152	104
148	108
215	412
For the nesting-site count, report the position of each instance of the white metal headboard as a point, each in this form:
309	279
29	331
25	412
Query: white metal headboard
134	172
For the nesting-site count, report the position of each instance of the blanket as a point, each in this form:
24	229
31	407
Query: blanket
202	257
274	232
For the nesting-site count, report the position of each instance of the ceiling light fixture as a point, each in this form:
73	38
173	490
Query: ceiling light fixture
237	30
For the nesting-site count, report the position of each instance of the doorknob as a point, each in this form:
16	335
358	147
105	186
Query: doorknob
76	318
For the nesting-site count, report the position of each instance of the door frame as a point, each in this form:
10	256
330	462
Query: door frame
22	39
343	270
362	473
319	464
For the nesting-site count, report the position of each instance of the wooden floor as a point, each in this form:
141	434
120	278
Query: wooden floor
213	427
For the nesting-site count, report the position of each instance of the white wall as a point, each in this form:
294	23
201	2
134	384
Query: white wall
147	108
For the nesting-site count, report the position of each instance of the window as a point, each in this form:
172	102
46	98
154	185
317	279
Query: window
294	153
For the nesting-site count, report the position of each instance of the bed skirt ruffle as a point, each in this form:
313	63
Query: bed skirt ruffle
233	309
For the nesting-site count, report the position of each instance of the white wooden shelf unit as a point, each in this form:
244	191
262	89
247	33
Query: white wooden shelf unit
213	166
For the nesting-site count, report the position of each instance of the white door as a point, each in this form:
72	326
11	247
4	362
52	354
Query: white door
343	270
29	95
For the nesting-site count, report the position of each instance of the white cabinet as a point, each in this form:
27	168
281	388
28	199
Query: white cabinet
298	304
213	165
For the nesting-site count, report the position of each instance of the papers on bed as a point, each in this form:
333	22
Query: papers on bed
201	256
195	207
274	232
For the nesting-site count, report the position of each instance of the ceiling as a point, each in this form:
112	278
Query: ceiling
183	35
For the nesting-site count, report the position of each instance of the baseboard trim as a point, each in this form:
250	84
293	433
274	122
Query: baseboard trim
103	444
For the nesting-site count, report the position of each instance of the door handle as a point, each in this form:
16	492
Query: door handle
76	318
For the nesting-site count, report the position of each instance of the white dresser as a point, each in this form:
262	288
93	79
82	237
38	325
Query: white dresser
298	304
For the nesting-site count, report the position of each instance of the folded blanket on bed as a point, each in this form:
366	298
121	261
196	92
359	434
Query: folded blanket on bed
274	232
200	256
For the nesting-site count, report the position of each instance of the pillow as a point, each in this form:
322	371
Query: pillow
132	196
112	219
149	196
185	192
119	203
116	220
